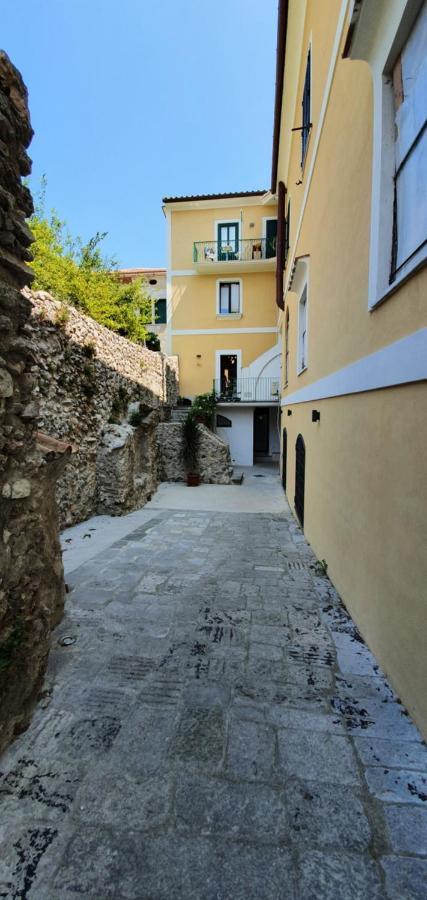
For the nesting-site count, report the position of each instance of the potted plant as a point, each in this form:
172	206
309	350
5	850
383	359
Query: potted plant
190	449
203	409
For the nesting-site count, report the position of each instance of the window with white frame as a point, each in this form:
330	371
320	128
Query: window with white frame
229	298
409	77
302	331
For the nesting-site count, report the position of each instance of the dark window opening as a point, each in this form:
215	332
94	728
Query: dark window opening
299	478
223	422
160	311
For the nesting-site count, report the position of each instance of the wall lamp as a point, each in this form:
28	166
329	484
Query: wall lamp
289	412
315	415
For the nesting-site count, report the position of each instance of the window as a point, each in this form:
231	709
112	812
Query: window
409	79
229	298
223	421
287	347
160	311
302	331
306	110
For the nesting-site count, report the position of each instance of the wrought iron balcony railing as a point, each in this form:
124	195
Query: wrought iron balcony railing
247	390
244	250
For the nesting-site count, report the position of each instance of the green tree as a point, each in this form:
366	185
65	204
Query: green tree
78	273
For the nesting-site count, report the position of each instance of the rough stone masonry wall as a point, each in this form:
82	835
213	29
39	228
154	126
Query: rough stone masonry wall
214	455
31	574
88	382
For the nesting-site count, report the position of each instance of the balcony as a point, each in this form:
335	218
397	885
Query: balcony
256	254
247	390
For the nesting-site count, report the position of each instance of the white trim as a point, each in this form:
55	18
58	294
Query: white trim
168	282
182	273
229	281
226	352
268	330
402	362
322	115
266	199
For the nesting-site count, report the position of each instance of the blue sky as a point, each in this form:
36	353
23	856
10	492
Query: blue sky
134	100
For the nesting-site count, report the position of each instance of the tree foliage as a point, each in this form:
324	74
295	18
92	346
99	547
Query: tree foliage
78	273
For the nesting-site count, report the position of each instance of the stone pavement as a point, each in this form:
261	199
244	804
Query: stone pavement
213	728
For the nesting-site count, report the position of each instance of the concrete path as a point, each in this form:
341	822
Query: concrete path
213	728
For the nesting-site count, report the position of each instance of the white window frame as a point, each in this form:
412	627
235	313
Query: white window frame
300	286
380	35
221	281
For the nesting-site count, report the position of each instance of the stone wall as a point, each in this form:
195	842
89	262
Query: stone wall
31	574
89	382
214	456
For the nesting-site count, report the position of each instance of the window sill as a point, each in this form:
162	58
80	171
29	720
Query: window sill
229	315
397	284
301	371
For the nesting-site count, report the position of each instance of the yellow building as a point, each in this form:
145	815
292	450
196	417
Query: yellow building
222	315
350	172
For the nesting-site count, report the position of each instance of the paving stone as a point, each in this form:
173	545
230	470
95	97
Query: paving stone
266	652
395	785
326	816
251	750
303	755
407	829
200	736
299	718
242	811
391	753
141	804
377	718
268	634
405	879
353	657
338	876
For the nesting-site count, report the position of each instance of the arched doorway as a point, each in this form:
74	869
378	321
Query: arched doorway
299	478
284	457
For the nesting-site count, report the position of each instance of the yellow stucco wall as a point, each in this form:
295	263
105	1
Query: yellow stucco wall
196	375
194	301
366	465
365	514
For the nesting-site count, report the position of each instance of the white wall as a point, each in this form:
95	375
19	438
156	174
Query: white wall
240	436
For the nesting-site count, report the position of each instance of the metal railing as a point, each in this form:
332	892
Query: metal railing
247	390
244	250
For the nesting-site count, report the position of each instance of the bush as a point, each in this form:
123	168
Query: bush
152	341
203	408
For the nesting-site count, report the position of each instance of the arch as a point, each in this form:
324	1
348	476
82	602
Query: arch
299	478
284	457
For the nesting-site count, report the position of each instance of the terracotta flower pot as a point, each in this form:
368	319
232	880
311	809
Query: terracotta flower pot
193	479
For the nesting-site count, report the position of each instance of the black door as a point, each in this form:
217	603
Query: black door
261	428
284	457
299	478
270	238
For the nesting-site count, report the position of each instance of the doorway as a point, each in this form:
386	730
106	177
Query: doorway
261	432
299	478
228	374
284	457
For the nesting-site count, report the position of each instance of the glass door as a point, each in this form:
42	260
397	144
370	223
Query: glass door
228	241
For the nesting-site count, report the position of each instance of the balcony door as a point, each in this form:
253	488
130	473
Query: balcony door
228	240
270	238
228	375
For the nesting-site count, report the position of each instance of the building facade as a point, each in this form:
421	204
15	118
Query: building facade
222	316
350	172
155	281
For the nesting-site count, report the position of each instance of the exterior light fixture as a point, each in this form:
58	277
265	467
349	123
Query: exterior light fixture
289	412
315	415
